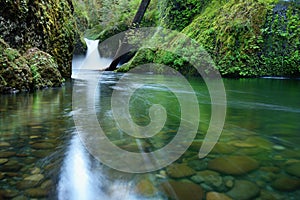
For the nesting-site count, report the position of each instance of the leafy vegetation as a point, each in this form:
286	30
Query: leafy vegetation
244	38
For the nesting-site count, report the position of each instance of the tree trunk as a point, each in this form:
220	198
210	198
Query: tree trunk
135	24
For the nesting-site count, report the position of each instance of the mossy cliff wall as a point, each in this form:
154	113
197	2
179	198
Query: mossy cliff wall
48	25
245	38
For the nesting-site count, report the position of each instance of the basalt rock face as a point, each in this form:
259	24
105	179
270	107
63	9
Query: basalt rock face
48	25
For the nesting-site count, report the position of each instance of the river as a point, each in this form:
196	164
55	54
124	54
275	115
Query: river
42	154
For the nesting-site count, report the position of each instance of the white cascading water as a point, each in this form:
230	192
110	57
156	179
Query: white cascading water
91	61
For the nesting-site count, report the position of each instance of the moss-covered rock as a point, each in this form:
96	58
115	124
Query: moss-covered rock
46	24
44	69
35	70
15	73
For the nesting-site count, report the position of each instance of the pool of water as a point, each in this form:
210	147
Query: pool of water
42	154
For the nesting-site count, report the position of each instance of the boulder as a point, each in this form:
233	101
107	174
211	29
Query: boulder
233	165
244	190
182	190
179	171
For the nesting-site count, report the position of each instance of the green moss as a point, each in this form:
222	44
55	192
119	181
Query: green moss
46	24
244	38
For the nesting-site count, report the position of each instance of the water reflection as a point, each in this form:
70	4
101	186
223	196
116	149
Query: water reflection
83	177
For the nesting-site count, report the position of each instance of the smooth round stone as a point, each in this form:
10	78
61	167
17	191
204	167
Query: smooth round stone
4	144
270	195
223	148
182	190
233	165
179	171
286	183
242	144
11	166
35	170
3	161
250	151
46	184
20	198
36	192
294	169
35	177
41	153
278	147
6	154
217	196
259	141
244	190
34	137
145	188
270	169
26	184
43	145
8	194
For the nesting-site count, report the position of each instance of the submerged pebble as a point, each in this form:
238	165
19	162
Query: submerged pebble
244	190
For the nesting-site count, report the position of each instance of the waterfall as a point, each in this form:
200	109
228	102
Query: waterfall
91	61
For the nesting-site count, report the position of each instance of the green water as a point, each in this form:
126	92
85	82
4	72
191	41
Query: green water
262	124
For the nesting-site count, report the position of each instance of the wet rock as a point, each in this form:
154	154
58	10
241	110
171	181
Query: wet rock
15	74
278	147
41	153
197	164
3	161
20	198
36	192
25	184
4	144
179	171
250	151
35	177
11	166
286	183
242	144
294	169
270	169
43	145
217	196
44	68
35	170
145	188
268	195
233	165
6	154
260	142
182	190
12	174
244	190
211	178
8	194
223	148
46	184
